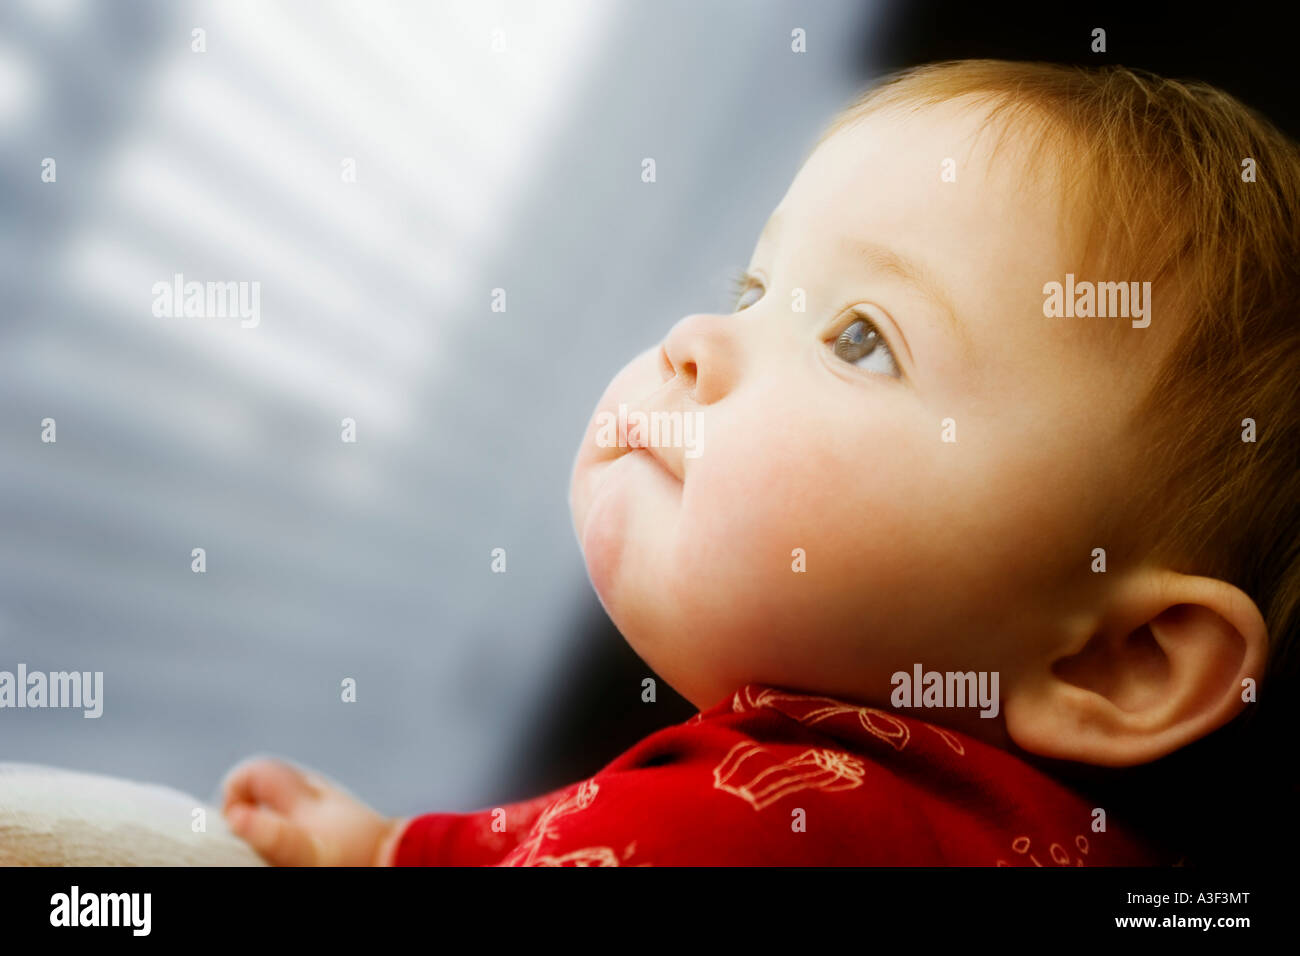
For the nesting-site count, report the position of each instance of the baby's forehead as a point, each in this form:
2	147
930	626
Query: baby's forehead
966	144
945	176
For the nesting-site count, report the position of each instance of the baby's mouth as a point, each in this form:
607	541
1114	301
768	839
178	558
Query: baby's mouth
632	434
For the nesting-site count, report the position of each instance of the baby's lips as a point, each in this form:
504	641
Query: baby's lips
630	433
606	443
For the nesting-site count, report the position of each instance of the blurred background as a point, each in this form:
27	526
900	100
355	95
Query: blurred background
495	146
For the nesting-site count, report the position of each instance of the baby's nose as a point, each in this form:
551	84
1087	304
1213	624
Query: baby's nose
702	352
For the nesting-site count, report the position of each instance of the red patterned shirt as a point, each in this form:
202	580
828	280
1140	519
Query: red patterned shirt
773	777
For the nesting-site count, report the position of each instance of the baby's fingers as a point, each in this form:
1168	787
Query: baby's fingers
261	780
276	838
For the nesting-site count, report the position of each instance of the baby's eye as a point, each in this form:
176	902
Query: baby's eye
745	291
862	345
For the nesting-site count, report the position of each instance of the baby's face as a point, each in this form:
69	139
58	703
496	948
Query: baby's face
958	555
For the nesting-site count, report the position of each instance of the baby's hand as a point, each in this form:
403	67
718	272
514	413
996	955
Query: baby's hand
293	817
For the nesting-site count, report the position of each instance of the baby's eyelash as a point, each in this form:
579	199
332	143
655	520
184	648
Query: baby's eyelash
740	281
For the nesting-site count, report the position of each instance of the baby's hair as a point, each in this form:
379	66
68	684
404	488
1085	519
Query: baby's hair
1179	183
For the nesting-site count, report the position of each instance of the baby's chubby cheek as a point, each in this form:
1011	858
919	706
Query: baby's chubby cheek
773	497
791	543
829	551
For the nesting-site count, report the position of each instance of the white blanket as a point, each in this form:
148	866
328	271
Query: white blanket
53	817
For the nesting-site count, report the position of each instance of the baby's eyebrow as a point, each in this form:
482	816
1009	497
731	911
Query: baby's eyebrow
878	258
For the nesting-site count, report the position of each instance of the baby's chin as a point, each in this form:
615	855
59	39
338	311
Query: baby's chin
603	502
625	511
601	524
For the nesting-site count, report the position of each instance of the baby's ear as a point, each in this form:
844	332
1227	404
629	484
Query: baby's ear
1165	661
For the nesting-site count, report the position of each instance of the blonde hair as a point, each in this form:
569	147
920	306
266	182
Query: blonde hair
1156	170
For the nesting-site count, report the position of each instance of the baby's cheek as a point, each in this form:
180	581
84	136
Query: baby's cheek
765	599
753	526
815	517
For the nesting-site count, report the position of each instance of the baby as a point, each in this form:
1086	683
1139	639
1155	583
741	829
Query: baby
992	499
